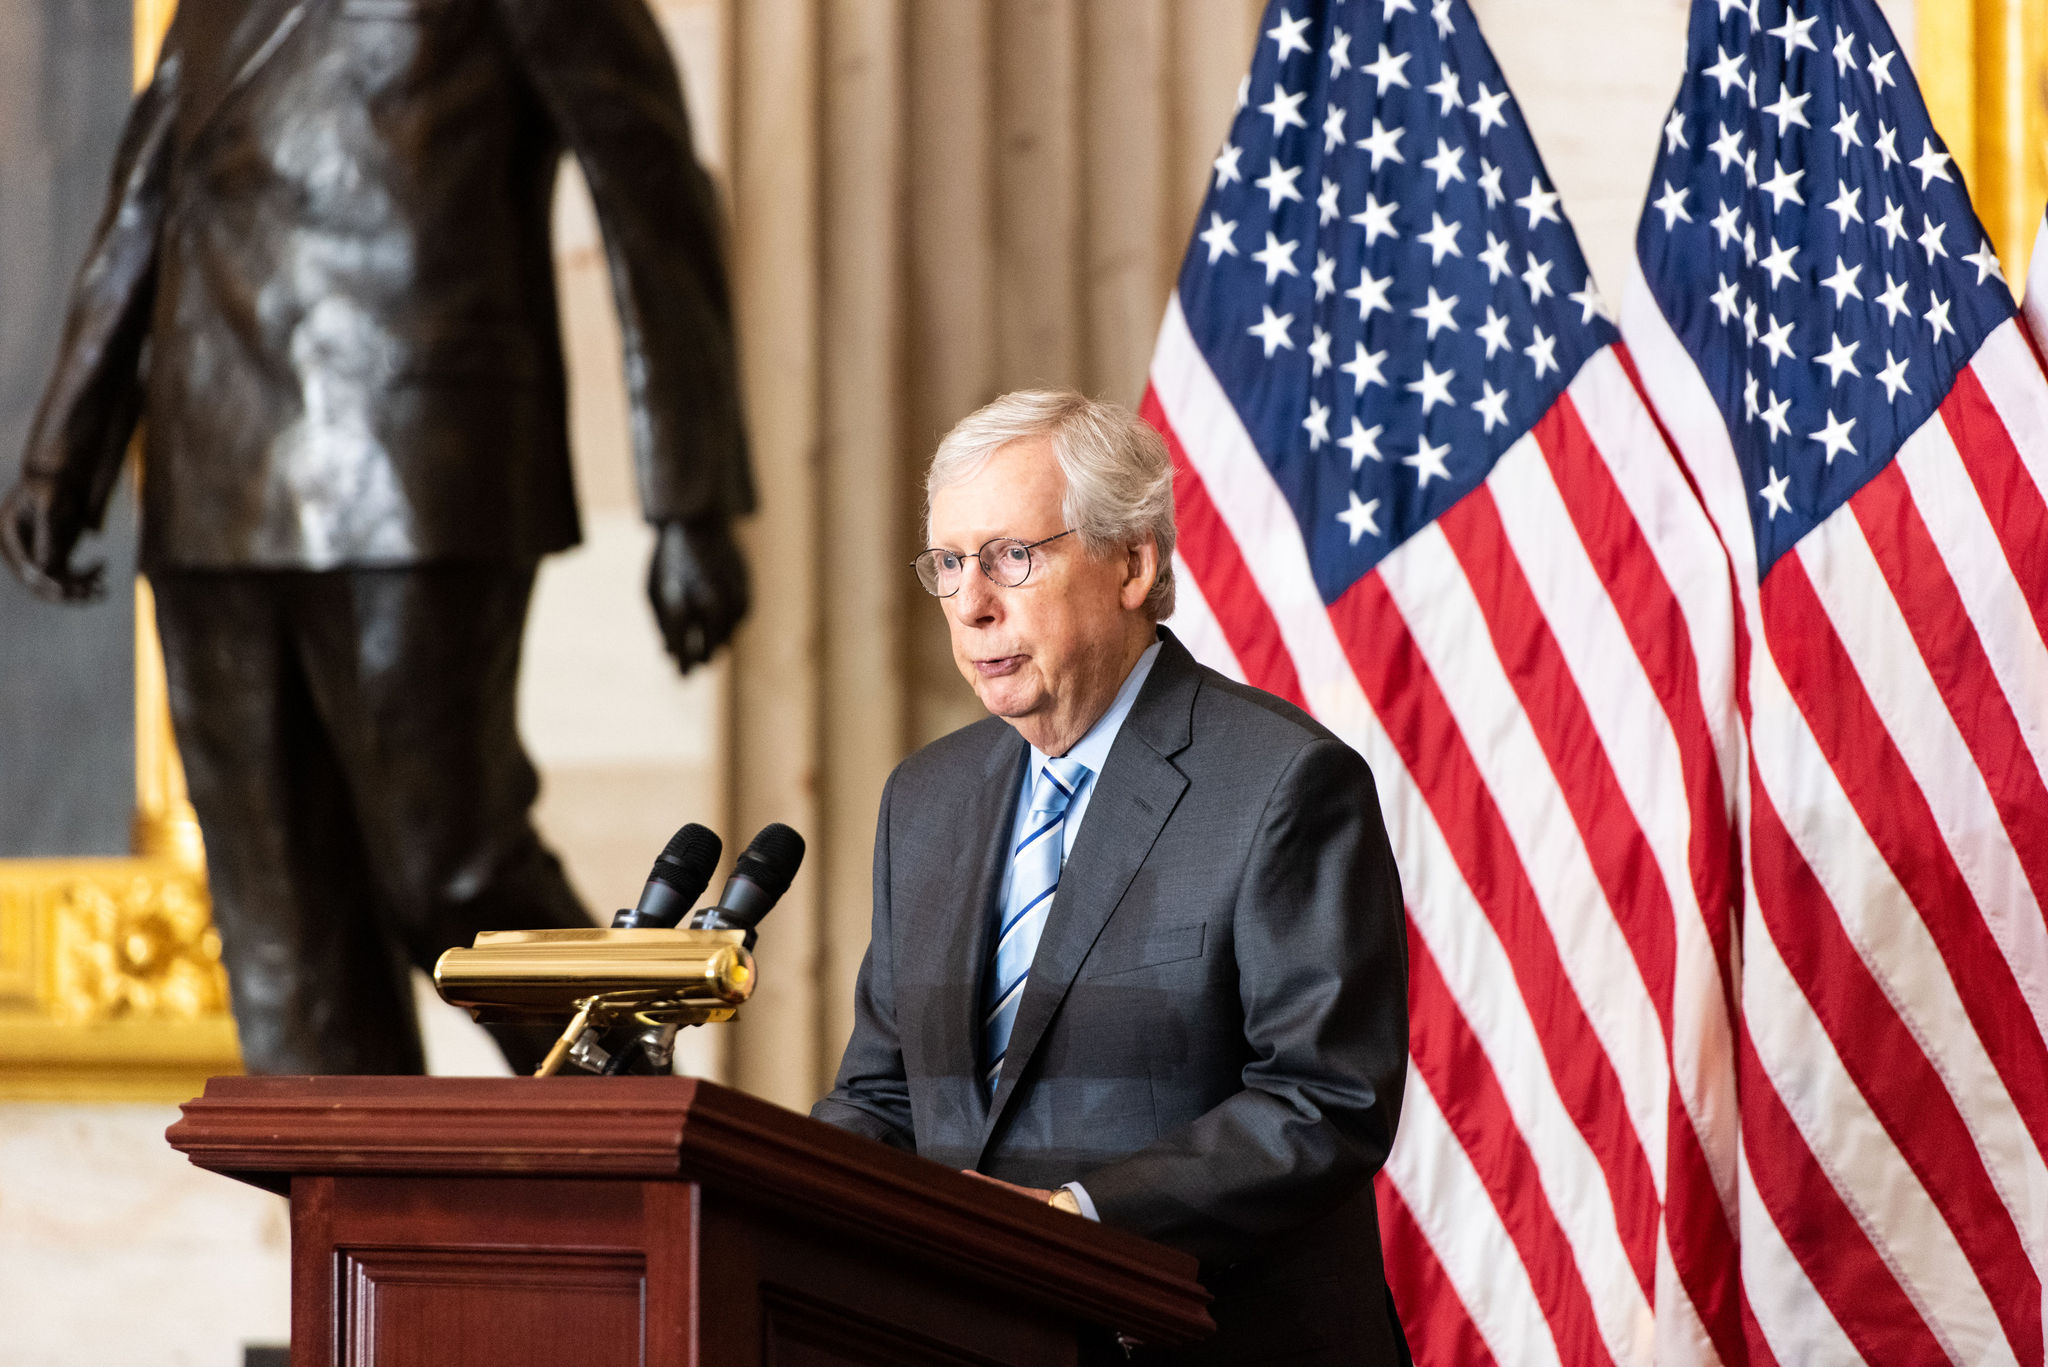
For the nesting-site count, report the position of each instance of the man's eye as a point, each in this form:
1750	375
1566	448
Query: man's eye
1016	555
950	563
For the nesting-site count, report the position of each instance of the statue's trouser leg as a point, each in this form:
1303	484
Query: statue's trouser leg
416	672
317	987
410	679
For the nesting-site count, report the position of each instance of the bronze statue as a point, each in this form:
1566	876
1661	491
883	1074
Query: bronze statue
324	283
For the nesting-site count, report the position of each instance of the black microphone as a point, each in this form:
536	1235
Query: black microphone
678	878
759	878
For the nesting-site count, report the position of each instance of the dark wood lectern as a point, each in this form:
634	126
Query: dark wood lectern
612	1222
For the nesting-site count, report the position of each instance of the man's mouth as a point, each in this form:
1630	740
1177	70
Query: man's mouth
998	666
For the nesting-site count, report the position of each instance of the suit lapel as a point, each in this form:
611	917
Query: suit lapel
957	929
1135	793
221	45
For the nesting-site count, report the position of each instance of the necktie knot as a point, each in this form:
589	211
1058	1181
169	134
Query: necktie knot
1058	781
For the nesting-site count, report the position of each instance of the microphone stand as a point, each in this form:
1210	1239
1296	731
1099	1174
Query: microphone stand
578	1023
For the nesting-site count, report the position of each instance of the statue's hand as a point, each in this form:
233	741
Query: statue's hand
37	535
698	585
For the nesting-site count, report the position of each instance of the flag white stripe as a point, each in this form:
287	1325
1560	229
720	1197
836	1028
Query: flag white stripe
1795	1321
2011	375
1436	1178
1620	700
1963	534
1961	529
1873	1178
1435	599
1196	625
1643	755
1680	1337
1865	897
1874	912
1480	979
1681	541
1694	421
1694	568
1865	618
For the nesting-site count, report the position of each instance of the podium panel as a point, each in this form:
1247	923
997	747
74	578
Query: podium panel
666	1222
405	1307
523	1273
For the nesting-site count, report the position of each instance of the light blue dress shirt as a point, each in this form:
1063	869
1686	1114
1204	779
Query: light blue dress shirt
1091	750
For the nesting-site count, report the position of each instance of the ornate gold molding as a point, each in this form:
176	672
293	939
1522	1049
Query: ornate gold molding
110	981
111	985
1983	66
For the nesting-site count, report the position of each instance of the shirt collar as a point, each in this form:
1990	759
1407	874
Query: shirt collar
1093	749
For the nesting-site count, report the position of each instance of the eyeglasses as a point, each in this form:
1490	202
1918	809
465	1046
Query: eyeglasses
1006	561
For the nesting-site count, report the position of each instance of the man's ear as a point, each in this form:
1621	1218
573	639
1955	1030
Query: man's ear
1141	571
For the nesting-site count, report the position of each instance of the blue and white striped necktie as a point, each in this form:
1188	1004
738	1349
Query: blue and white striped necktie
1034	877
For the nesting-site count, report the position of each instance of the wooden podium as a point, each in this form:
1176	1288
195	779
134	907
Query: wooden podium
612	1222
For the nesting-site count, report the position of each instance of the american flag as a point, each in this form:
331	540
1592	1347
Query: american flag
1420	494
1823	327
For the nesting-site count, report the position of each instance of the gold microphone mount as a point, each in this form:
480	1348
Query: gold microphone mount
659	979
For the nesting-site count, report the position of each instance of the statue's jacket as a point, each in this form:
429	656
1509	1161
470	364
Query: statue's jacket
324	283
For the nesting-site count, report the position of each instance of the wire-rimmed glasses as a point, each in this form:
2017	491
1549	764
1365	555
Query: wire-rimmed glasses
1005	560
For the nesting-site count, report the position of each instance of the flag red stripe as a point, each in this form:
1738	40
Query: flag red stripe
1535	666
1212	555
1418	721
1756	1348
1903	1090
1895	1076
1461	1078
1621	859
1888	801
1438	1327
2009	495
1819	1229
1703	1245
1934	613
1831	1248
1648	608
1702	1238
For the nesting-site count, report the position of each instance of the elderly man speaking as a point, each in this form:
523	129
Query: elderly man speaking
1138	943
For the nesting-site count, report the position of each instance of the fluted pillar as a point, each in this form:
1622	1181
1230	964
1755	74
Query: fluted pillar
933	201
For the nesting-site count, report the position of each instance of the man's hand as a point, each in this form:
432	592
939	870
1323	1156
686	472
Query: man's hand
1037	1194
37	535
698	586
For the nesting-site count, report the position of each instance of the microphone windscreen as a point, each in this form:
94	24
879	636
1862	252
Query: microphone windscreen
771	859
687	861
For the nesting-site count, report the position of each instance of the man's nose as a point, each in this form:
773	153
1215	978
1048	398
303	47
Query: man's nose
976	601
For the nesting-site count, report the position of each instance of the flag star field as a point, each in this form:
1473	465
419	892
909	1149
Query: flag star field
1381	273
1809	240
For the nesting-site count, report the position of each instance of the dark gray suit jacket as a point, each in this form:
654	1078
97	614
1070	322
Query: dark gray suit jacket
1213	1039
324	277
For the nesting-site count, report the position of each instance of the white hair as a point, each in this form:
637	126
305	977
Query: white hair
1119	476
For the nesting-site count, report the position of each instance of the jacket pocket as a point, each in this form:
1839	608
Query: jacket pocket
1149	951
